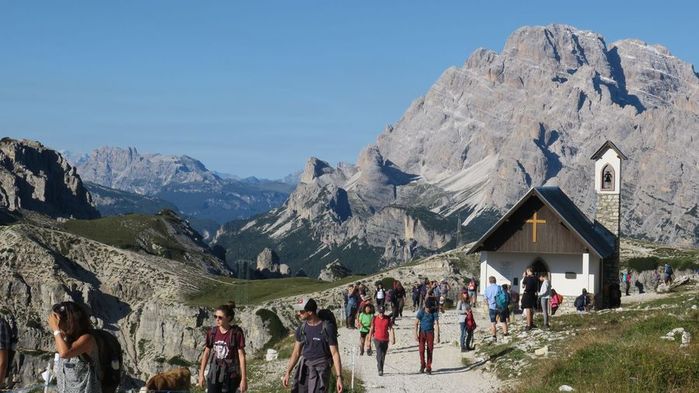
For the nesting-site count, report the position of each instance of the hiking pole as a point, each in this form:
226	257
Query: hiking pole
354	351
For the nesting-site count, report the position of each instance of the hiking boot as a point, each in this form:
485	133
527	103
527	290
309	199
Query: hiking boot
463	349
380	373
429	371
422	370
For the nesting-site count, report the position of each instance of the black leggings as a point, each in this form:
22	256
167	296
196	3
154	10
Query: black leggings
223	387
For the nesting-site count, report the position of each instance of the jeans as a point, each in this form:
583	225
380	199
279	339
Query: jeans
545	309
381	349
426	341
463	335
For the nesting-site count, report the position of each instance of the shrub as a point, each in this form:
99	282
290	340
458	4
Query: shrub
640	264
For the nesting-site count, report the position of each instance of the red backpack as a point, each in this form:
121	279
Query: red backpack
470	321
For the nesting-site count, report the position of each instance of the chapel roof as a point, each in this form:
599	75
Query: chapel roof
597	238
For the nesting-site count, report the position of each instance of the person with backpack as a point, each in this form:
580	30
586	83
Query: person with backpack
381	330
529	297
8	346
224	352
544	296
462	308
76	369
426	325
316	346
667	270
380	294
363	322
582	302
496	300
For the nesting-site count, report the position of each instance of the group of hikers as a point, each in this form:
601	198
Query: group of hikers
628	278
80	365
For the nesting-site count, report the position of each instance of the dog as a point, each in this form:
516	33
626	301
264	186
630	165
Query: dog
177	379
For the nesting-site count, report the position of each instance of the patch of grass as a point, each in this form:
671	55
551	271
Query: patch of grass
624	352
247	292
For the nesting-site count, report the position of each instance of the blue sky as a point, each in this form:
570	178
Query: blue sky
255	88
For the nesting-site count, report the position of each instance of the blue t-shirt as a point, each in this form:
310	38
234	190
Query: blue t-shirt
427	320
490	292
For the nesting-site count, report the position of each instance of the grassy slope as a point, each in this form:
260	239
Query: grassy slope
615	351
123	232
213	293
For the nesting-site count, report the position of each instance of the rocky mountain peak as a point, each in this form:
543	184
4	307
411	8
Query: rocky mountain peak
36	178
314	169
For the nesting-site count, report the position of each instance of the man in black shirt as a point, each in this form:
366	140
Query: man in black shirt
316	340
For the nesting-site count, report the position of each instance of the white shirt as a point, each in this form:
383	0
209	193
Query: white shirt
545	290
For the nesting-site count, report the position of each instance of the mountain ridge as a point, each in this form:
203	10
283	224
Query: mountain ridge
501	123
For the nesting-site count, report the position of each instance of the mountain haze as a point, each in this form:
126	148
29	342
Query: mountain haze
530	115
200	194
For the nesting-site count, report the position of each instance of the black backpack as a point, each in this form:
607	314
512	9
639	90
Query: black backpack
230	367
580	301
110	360
328	318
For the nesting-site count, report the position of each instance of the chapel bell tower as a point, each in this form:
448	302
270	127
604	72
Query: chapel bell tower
608	161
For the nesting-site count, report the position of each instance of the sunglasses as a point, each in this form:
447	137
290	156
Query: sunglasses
219	317
59	308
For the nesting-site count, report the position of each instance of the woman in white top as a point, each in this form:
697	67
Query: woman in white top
544	296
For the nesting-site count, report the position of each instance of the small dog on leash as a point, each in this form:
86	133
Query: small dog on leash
177	380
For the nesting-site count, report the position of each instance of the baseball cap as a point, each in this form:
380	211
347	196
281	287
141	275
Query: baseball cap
306	304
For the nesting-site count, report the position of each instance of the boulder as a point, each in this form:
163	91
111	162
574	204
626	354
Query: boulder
334	271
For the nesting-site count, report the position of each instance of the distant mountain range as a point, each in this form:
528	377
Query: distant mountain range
146	182
485	132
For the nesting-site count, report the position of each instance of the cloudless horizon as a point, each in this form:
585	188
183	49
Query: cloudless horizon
255	88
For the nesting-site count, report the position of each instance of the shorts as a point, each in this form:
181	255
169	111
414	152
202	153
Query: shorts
363	334
504	314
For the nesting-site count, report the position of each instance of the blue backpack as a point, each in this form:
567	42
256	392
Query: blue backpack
501	300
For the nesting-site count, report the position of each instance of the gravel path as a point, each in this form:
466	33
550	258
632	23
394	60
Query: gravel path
401	370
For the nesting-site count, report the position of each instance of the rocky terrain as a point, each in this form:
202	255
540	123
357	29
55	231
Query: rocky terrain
36	178
201	195
530	115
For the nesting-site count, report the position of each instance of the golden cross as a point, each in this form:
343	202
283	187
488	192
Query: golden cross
535	221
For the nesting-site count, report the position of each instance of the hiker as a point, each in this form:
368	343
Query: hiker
426	324
582	302
626	279
496	300
316	340
556	300
8	347
544	296
381	331
76	369
379	294
364	324
463	308
529	297
399	293
472	290
667	270
416	296
224	352
352	304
